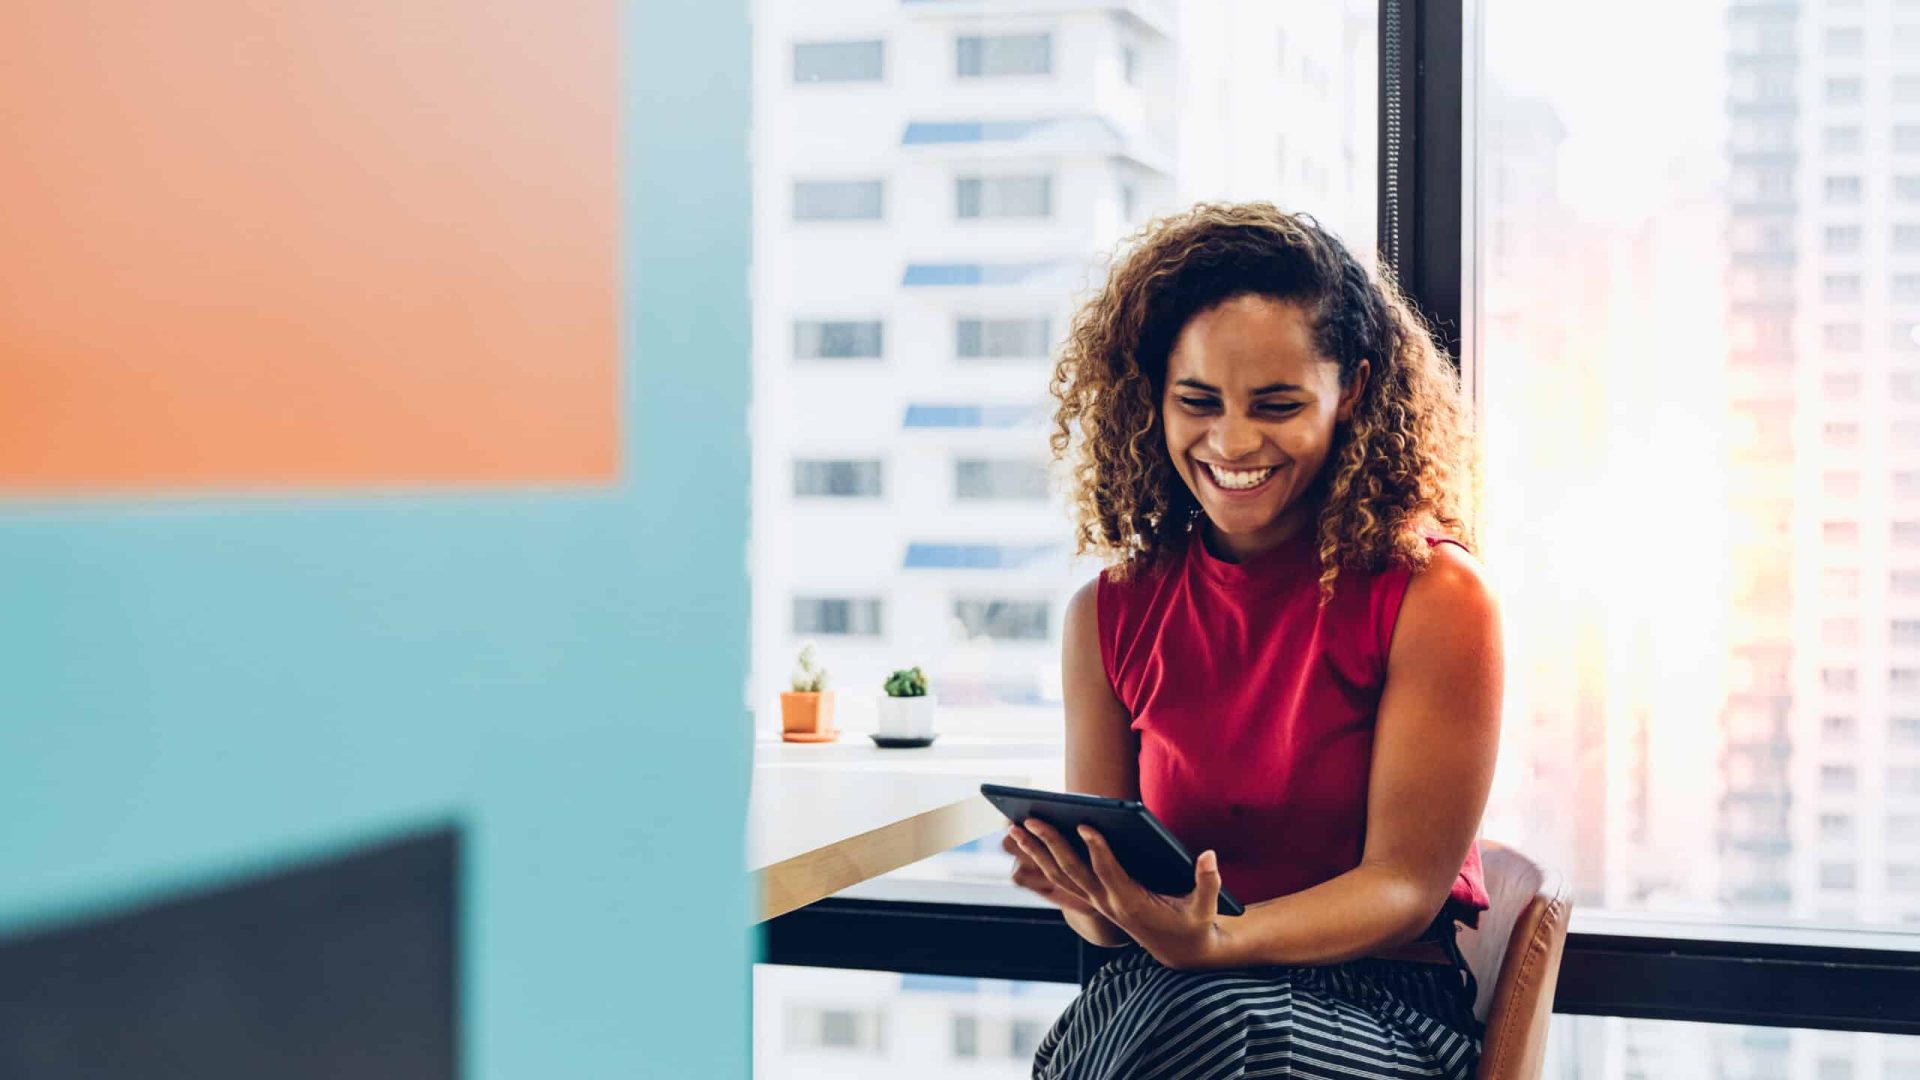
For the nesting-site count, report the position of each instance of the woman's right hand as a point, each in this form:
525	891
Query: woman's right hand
1030	875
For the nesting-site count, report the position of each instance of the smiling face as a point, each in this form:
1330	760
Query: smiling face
1249	410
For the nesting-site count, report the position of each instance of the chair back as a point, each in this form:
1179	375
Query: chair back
1515	957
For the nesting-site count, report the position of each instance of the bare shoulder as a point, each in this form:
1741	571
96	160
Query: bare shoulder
1082	607
1450	596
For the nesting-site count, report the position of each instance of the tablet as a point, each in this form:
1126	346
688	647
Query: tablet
1146	850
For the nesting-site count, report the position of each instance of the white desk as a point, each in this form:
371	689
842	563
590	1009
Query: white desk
824	817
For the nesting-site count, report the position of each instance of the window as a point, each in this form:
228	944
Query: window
837	479
1903	730
1836	826
1906	238
1839	631
1906	534
1837	875
1130	64
1841	337
838	200
839	61
1839	680
1843	533
1000	478
1903	780
1904	583
1845	40
813	1027
1906	287
966	1035
1840	387
823	616
1841	484
1841	286
1844	91
1001	619
1025	1038
1904	828
837	339
1841	139
1843	190
1906	483
1904	385
1906	89
1903	680
1002	339
1906	138
980	56
1906	188
1905	631
1838	727
1003	196
1837	779
1842	239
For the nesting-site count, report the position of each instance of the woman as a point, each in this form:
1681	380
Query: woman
1292	661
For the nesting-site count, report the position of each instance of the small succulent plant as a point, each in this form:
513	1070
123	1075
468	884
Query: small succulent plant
808	676
911	682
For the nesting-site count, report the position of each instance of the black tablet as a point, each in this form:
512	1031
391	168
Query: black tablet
1146	850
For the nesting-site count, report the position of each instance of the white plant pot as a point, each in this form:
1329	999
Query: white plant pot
905	717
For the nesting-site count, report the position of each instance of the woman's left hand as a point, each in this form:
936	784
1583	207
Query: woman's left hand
1180	931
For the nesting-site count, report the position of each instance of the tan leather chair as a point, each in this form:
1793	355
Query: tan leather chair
1515	956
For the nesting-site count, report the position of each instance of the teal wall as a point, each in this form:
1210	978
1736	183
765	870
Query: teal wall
192	690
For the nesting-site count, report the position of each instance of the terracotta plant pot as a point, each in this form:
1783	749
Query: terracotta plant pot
807	717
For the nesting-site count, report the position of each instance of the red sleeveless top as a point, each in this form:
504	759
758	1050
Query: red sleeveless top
1255	710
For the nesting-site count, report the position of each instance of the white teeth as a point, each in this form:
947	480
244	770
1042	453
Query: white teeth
1240	479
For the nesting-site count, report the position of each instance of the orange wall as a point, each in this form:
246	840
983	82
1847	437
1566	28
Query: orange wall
307	244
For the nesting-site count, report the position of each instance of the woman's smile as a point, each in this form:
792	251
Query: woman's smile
1237	483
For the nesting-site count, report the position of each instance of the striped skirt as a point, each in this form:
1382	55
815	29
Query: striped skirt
1366	1018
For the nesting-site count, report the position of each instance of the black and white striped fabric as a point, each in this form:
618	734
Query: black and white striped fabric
1366	1019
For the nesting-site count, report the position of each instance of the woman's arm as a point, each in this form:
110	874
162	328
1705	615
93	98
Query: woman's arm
1433	758
1103	753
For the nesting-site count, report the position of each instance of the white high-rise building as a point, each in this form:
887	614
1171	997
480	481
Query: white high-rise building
936	183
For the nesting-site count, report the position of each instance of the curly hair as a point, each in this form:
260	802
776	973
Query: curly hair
1405	463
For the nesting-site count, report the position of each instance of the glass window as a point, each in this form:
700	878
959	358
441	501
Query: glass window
1842	239
1843	189
838	200
1845	91
966	1035
831	339
982	55
1000	619
1000	478
824	616
1002	339
1841	139
1003	196
837	479
839	61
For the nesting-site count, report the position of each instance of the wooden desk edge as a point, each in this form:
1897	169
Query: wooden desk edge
794	883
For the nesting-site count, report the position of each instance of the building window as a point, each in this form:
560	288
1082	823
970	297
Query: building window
984	56
1840	533
966	1035
1000	479
838	200
1841	337
1906	188
1841	139
1837	779
1839	727
1836	826
1025	1039
836	616
1904	583
1001	339
1906	534
1839	680
1903	730
1130	64
1904	829
1905	631
1842	238
1840	484
1905	385
813	1027
1903	780
1843	190
1837	875
1845	40
1906	483
1842	286
1843	91
1840	584
1906	435
1906	286
1906	139
1906	88
1845	387
1000	619
837	479
1003	196
1906	238
1839	632
1903	680
1840	433
832	339
839	61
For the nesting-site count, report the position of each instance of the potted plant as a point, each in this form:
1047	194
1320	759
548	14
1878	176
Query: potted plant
906	710
806	711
